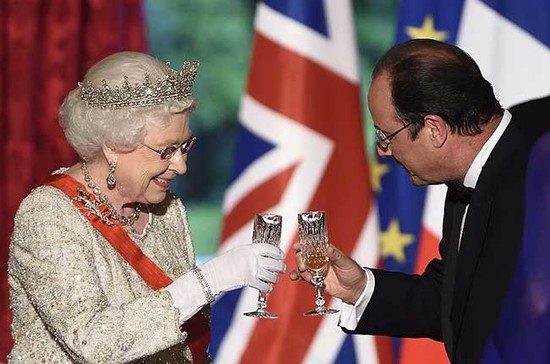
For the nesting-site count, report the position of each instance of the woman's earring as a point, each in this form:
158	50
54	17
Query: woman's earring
111	179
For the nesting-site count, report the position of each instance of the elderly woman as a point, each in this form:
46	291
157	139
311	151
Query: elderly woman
102	266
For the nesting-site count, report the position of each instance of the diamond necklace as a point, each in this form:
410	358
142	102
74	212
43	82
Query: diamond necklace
122	220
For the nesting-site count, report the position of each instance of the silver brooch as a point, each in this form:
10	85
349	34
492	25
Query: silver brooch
84	203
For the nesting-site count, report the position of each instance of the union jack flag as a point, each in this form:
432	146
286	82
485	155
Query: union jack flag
300	147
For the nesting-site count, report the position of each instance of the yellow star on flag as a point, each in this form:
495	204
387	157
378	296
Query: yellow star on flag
427	30
377	170
394	242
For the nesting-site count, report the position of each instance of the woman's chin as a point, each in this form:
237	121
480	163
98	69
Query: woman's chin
156	197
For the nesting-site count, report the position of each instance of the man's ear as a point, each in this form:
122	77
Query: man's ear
437	129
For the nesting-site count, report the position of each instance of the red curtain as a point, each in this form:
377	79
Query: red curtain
45	48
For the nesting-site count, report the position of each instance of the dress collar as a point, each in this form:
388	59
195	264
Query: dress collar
470	180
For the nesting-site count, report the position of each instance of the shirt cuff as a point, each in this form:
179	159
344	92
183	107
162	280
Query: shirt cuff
351	314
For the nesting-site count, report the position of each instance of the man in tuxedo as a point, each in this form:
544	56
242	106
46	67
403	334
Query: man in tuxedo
438	117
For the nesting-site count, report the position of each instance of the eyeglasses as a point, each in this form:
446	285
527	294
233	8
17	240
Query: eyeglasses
171	150
383	141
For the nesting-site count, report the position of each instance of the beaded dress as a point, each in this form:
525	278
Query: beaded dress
75	299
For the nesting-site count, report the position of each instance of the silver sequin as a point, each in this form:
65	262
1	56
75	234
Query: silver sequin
75	300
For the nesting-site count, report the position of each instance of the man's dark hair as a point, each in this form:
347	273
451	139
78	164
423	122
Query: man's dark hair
431	77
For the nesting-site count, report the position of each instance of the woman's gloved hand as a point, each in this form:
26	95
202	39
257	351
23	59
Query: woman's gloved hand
253	265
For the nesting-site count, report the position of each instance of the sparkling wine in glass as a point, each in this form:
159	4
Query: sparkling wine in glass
267	229
312	229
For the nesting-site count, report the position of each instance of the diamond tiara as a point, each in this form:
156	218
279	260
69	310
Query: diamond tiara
175	86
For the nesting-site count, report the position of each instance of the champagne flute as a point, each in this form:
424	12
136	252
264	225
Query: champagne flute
312	229
267	229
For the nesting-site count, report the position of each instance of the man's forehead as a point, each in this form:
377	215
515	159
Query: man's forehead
380	103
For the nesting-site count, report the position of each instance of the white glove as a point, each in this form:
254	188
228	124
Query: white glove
254	265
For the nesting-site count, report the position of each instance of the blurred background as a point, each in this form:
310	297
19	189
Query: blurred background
219	34
373	211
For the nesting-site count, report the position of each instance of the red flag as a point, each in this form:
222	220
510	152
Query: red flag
300	147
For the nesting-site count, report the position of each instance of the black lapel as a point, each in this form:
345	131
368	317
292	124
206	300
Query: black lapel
451	227
473	239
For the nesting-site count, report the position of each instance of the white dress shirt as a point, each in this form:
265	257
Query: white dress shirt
351	314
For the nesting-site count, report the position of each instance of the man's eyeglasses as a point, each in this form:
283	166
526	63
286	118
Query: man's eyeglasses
383	141
171	150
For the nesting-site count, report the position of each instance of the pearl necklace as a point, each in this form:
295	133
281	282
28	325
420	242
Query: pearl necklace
114	215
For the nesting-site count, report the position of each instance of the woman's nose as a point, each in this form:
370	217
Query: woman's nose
178	162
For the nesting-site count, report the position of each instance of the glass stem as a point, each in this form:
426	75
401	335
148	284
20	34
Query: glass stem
319	300
262	298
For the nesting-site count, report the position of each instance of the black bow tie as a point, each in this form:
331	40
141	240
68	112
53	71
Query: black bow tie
460	192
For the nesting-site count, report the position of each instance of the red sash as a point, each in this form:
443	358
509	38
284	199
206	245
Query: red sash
197	327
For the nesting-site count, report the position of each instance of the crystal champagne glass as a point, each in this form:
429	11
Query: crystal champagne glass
312	229
267	229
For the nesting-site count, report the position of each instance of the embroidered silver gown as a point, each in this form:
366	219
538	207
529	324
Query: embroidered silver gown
74	299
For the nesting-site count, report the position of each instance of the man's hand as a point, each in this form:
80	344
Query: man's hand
345	279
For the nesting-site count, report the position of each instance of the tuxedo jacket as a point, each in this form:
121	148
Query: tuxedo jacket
411	305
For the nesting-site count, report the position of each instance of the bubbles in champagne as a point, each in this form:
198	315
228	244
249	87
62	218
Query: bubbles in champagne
315	260
312	229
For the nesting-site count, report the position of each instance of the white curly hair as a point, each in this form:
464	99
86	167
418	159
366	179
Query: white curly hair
89	128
